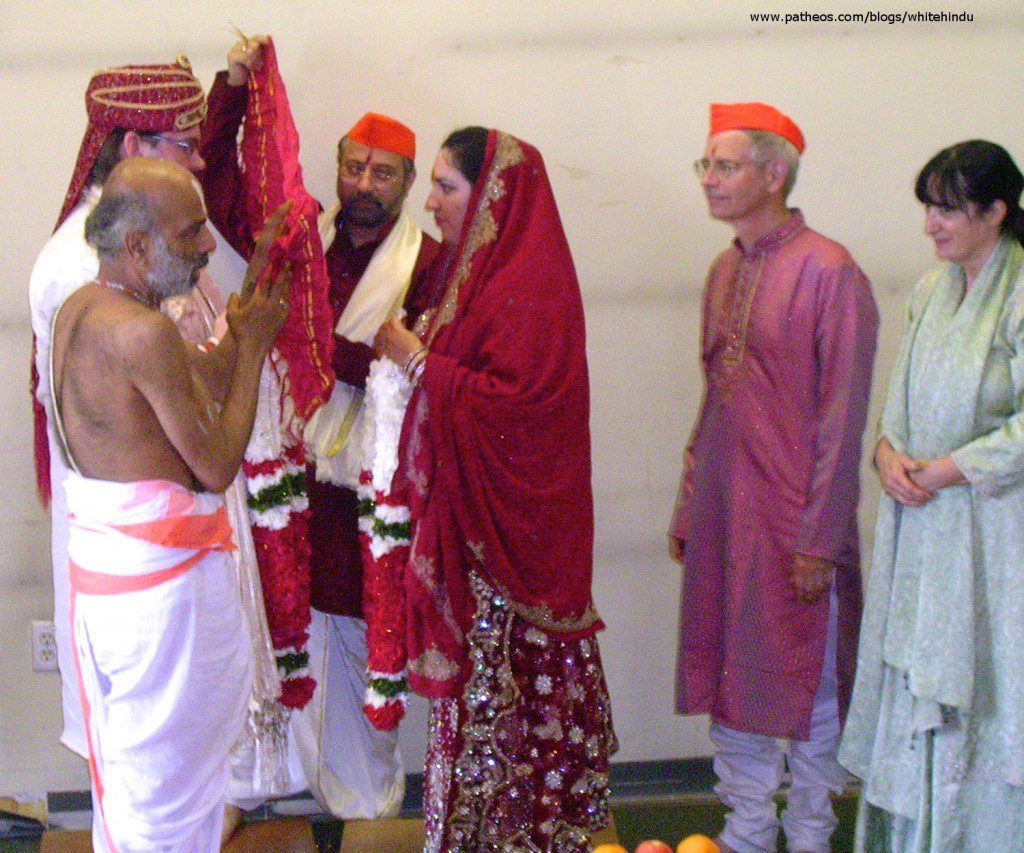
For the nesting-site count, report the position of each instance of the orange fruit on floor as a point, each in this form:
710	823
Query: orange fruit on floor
697	844
653	845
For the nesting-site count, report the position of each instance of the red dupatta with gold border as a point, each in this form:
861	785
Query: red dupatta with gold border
271	175
495	456
298	373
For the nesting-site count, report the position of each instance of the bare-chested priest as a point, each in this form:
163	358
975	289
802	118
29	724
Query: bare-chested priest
154	430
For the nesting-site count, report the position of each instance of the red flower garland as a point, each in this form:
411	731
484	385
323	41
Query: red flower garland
271	173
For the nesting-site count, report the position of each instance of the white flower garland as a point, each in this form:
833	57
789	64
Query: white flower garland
385	524
387	395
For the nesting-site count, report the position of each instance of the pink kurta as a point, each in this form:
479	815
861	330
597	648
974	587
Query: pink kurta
788	345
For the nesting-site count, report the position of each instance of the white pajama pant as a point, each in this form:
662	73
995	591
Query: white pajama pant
750	769
353	770
242	792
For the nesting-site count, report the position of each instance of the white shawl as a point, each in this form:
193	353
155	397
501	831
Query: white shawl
333	433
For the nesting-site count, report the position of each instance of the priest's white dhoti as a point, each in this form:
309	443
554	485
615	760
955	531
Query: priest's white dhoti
163	657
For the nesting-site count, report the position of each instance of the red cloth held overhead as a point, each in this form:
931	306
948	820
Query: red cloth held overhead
270	163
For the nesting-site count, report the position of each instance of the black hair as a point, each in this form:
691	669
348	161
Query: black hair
111	153
107	157
468	147
975	172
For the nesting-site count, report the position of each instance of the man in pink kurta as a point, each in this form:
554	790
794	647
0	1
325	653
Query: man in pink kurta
765	522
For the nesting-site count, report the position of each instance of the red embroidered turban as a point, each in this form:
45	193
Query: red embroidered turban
143	98
755	117
379	131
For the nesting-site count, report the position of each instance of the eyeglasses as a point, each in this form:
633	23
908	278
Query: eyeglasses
721	169
189	146
379	173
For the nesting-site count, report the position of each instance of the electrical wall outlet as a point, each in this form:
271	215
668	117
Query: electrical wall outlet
44	646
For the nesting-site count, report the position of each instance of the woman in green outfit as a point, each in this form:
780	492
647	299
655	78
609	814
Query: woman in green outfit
936	727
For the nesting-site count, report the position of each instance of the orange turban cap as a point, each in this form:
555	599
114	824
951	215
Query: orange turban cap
379	131
755	117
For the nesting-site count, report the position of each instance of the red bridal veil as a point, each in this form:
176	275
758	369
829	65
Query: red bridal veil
496	441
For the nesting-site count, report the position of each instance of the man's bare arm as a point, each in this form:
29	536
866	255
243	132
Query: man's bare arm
215	366
211	443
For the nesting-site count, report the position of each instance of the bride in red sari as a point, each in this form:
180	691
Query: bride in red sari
494	464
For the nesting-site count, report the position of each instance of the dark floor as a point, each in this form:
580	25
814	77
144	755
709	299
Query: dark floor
672	820
668	800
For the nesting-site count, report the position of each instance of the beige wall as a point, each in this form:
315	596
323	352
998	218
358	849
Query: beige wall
615	95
